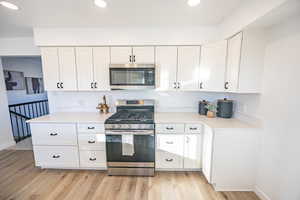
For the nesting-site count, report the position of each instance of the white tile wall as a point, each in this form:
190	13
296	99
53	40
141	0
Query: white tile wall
165	101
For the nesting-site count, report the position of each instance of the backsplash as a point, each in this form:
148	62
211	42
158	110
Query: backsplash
171	101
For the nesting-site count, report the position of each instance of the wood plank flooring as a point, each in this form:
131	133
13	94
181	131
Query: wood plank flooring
20	179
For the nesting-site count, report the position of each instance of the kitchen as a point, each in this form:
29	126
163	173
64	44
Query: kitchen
154	113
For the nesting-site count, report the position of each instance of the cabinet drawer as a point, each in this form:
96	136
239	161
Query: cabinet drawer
193	128
54	134
56	156
91	128
170	143
166	160
91	141
169	128
95	159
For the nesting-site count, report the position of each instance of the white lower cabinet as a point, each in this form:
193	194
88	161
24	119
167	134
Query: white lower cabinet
192	151
56	156
58	145
179	146
230	158
92	159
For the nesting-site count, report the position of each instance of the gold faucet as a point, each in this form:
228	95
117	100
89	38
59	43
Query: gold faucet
103	107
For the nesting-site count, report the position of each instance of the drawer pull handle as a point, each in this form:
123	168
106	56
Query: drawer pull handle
56	156
193	129
170	142
53	134
91	128
169	128
93	159
91	142
169	159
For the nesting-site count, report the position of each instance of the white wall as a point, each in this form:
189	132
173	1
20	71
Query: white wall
246	14
278	107
32	67
279	170
165	101
124	36
6	138
18	47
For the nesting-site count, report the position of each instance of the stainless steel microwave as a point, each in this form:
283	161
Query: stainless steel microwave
132	76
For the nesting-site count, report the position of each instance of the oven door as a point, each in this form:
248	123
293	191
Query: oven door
132	78
144	147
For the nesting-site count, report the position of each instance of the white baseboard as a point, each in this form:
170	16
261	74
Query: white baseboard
261	194
233	188
7	145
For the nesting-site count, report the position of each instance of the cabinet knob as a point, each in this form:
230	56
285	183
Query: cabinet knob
93	159
53	134
133	58
61	85
56	156
95	85
193	128
91	141
174	85
130	58
178	85
57	85
201	85
169	159
91	128
92	85
226	85
170	142
169	128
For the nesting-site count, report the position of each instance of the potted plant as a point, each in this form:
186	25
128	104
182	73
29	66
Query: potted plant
211	110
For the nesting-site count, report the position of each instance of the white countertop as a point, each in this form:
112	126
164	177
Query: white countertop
175	117
72	117
195	118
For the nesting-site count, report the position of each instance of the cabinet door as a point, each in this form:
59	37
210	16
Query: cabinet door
169	151
188	67
50	67
192	151
143	55
213	66
101	68
67	65
233	62
84	62
120	55
207	153
166	67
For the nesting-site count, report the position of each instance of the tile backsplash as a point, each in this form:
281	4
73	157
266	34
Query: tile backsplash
171	101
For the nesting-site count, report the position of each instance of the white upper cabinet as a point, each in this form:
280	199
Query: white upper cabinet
50	68
121	55
213	66
142	55
166	67
67	68
59	68
188	67
245	60
84	61
233	62
101	68
92	68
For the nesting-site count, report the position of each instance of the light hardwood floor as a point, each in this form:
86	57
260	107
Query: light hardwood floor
20	179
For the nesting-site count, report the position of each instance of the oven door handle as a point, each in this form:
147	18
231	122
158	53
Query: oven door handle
135	132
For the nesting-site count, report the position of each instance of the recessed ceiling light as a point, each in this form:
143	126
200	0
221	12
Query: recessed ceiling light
193	3
9	5
100	3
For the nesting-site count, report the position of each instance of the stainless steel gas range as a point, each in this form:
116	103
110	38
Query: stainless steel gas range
130	140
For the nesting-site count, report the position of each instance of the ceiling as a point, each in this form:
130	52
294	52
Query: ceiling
83	13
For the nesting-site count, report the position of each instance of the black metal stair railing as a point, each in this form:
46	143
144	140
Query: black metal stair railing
20	113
